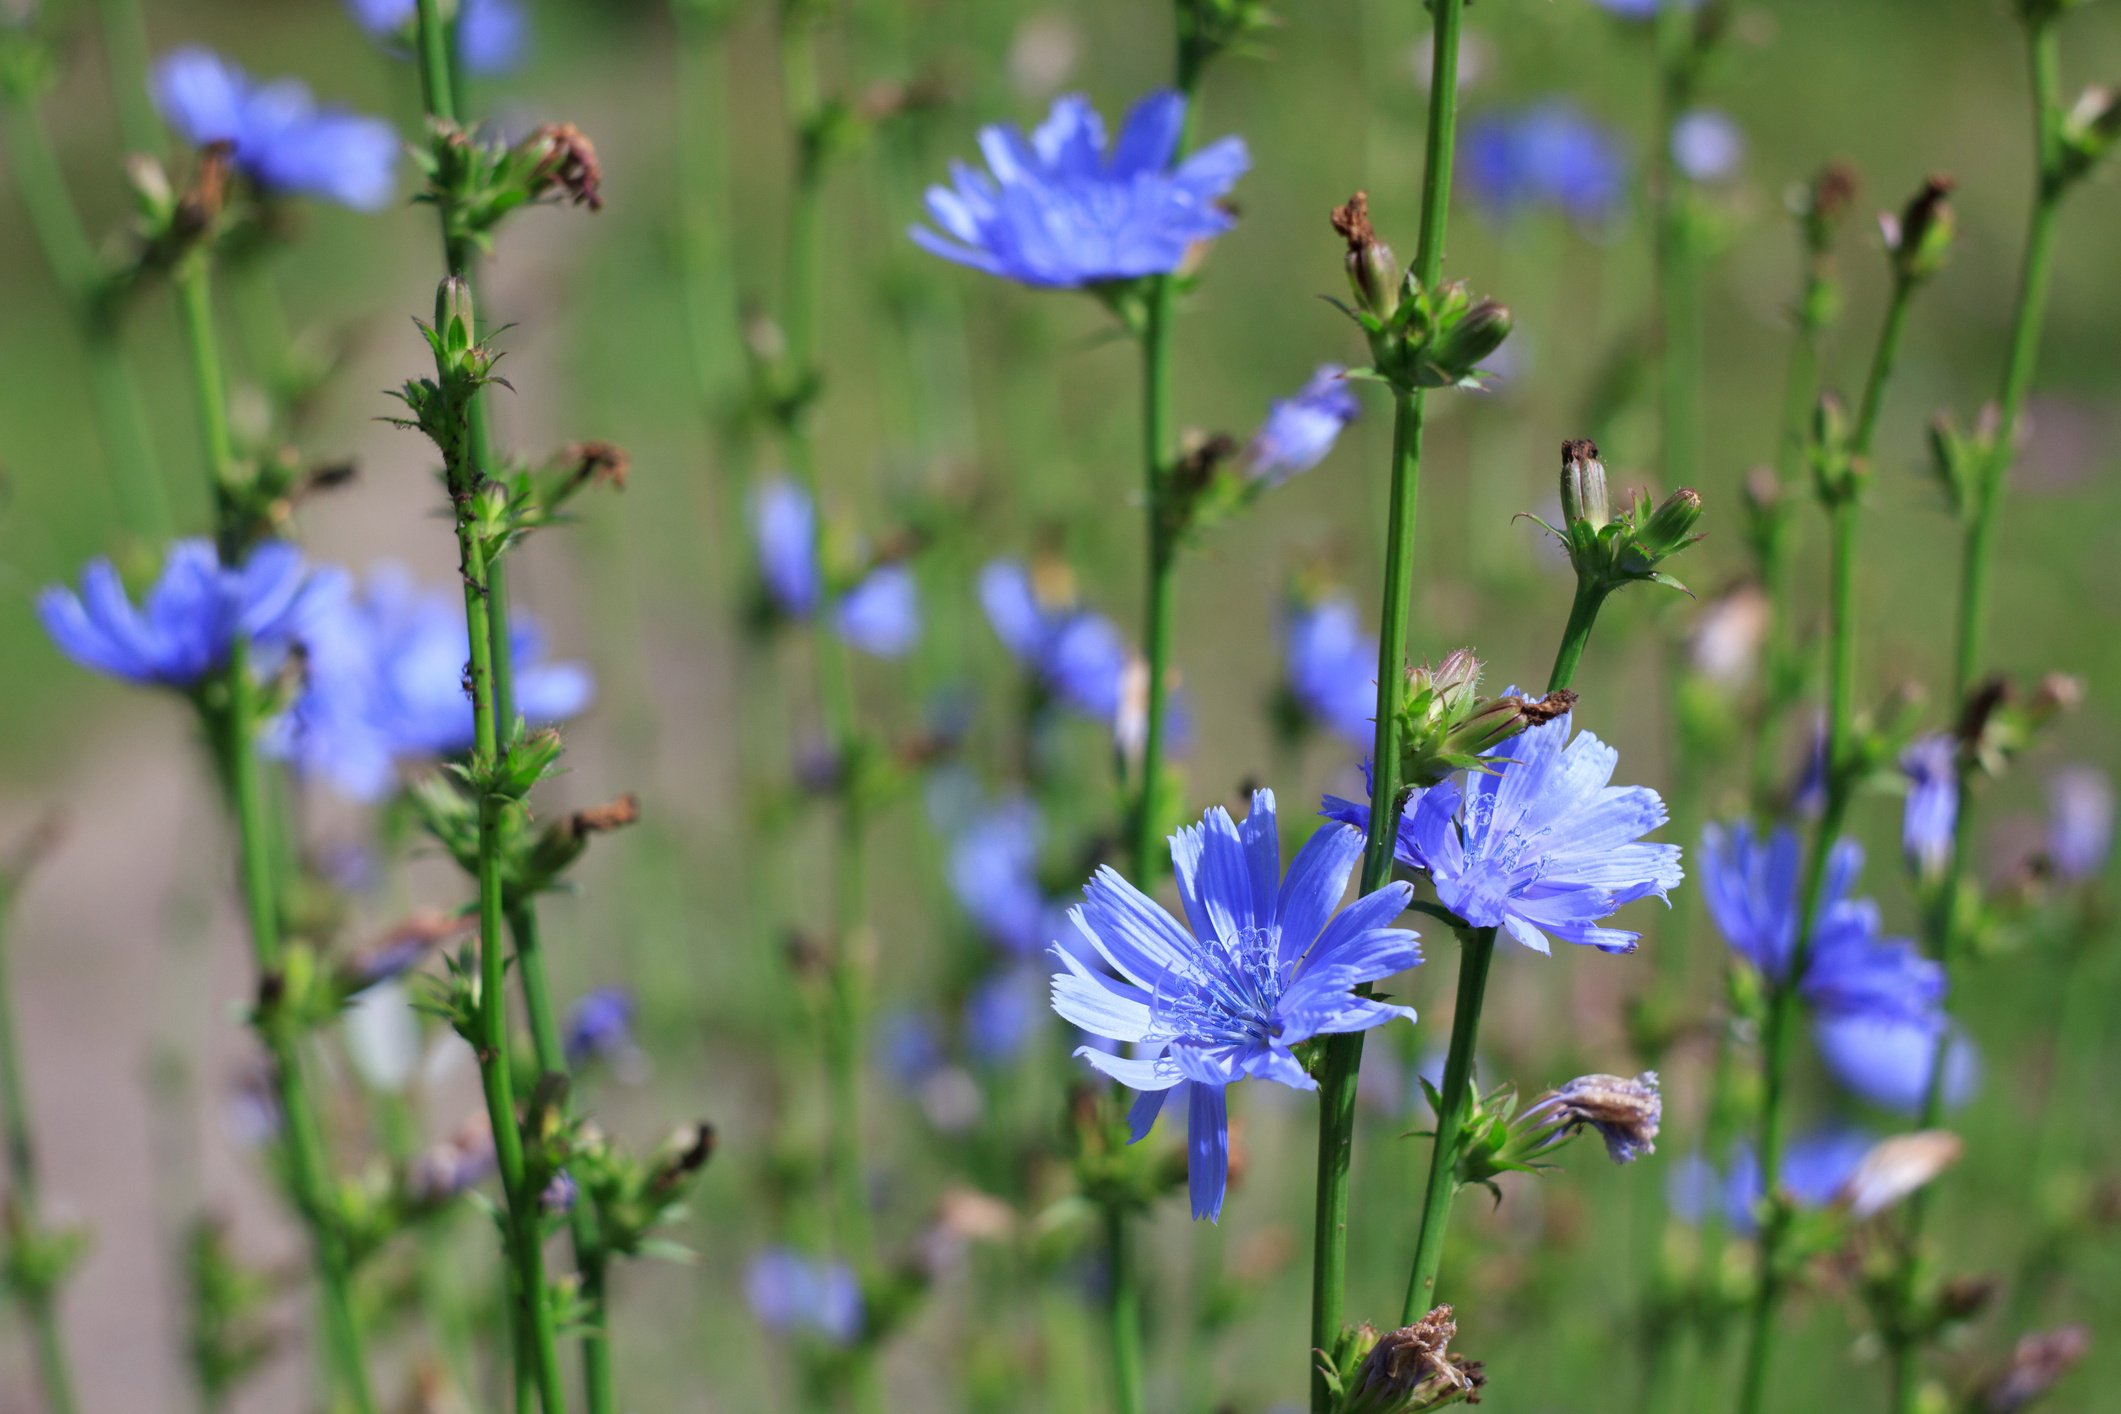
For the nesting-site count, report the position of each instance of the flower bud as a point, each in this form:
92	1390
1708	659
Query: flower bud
1670	527
1834	472
2089	131
1372	272
1477	333
455	318
1822	204
1921	237
1583	490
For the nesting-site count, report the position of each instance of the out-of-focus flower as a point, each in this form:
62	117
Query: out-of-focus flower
1552	155
2037	1362
599	1027
796	1295
193	615
1707	145
454	1166
994	873
384	683
2080	821
1332	667
490	33
880	614
1889	1060
1624	1111
1724	646
1539	843
1815	1170
1637	9
560	1193
1062	209
1896	1167
1300	430
1002	1012
1077	655
383	1036
1931	767
1267	965
282	140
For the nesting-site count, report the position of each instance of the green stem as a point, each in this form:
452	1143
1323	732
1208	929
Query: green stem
1945	927
1583	614
25	1218
1783	1005
125	56
1343	1054
1678	304
1123	1311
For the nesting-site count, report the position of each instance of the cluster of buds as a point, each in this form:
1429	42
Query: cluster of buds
1919	239
634	1196
441	405
234	1327
1609	550
35	1259
1114	1174
532	860
1445	725
475	182
1960	457
2001	720
1403	1371
1419	337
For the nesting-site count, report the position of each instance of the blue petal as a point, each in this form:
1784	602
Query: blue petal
1317	878
1207	1149
1149	137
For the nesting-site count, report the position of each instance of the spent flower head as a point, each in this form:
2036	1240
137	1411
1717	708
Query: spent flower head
1624	1111
1920	238
1062	208
1419	338
1409	1370
1266	965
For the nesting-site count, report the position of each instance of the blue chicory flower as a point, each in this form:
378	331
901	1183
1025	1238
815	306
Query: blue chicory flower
2080	821
1889	1059
908	1049
1707	145
490	33
1002	1013
384	684
598	1027
282	140
1061	209
792	1294
1815	1169
880	615
1267	965
1300	430
1538	843
1932	771
993	871
1332	667
1552	155
193	615
1637	9
1077	655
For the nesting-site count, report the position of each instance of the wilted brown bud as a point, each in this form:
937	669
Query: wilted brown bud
599	819
1412	1369
1921	237
202	201
567	163
1826	201
596	461
1372	272
682	1155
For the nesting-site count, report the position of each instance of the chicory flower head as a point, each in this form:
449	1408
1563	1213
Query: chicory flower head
598	1027
1931	766
1077	655
282	140
1552	155
1332	667
384	684
1300	430
796	1295
193	615
1267	964
880	614
994	873
1540	842
1815	1169
490	33
1707	145
1062	209
2080	821
1888	1060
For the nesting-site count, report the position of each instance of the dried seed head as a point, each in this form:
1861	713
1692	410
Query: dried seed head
1372	272
567	164
1625	1112
597	461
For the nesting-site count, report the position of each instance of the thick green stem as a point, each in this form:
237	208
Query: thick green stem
125	56
1945	928
1123	1313
1583	614
1343	1054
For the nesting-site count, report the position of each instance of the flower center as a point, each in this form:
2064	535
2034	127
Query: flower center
1227	1000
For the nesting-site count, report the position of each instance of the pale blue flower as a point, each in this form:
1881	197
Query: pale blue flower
282	140
880	614
1080	657
1300	430
1003	1012
1931	766
1540	842
1707	145
1552	155
598	1027
490	33
383	684
1815	1169
993	871
193	615
1267	965
1889	1059
1062	209
1332	667
2080	821
796	1295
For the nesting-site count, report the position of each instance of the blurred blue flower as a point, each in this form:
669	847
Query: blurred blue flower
559	1194
1889	1060
1300	430
1815	1168
1268	965
598	1027
880	615
1637	9
1003	1012
1078	656
1551	155
792	1294
2080	821
908	1048
1332	667
1707	145
283	141
490	33
1061	209
994	873
1931	768
1539	843
384	684
192	616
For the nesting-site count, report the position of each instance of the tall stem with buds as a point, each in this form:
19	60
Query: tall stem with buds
235	723
1343	1054
1944	928
1843	493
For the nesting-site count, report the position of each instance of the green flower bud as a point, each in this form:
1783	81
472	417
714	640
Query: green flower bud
1477	333
1670	527
1823	203
1921	236
456	322
1583	490
1373	274
2089	132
